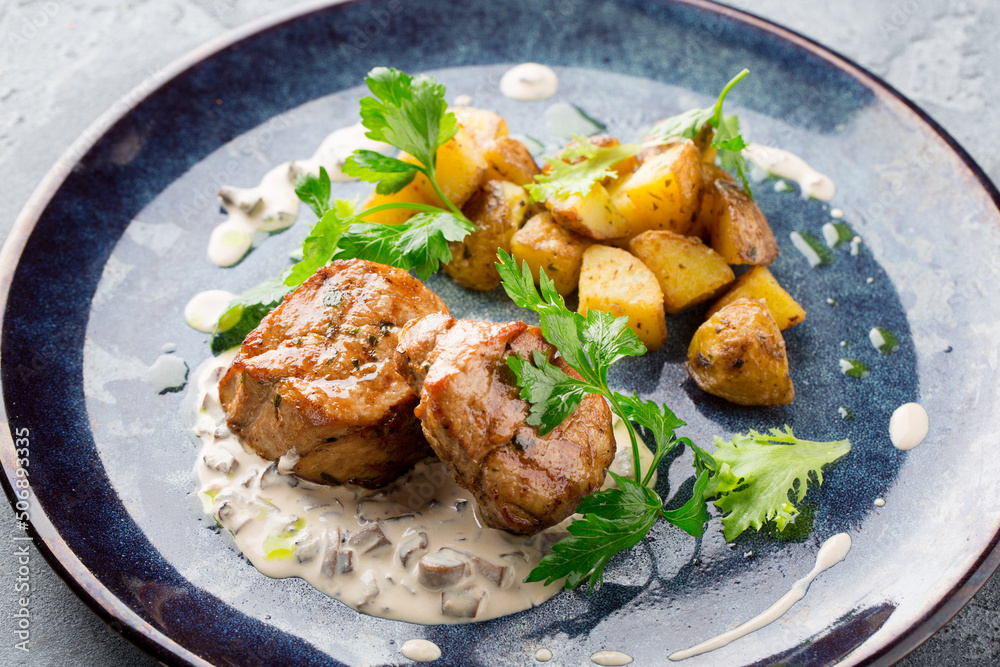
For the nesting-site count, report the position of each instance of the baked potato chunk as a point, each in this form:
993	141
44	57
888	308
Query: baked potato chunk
497	210
593	215
663	193
509	160
710	206
740	233
760	283
460	171
544	244
482	125
739	355
613	280
689	272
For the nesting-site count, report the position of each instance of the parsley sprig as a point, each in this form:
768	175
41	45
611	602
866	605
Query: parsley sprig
749	478
613	519
727	138
409	113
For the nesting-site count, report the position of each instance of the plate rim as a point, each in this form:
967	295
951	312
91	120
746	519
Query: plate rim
119	616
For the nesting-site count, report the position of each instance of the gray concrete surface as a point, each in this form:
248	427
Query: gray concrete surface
63	62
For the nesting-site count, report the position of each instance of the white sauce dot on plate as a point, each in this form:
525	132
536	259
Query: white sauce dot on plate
168	373
529	81
229	242
611	658
543	655
204	309
908	426
879	502
421	650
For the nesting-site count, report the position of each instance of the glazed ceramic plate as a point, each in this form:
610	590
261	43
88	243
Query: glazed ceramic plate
99	266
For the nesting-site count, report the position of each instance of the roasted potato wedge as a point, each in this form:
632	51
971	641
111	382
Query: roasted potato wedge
509	160
741	233
613	280
710	206
592	215
482	125
760	283
543	243
739	355
497	210
663	193
688	271
460	171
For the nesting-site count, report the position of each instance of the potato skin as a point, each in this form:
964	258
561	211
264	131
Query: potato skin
739	355
544	244
710	208
509	160
593	215
741	233
497	210
481	124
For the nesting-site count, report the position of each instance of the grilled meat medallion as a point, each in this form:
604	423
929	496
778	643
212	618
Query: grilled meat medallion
474	419
320	378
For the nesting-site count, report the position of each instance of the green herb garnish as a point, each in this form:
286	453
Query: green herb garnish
247	310
883	340
279	544
411	114
592	165
749	478
815	252
727	139
766	467
854	368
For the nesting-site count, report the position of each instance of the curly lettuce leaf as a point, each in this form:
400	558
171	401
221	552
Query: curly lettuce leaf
578	168
761	477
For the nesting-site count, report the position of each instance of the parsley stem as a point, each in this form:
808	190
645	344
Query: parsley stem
429	173
423	208
660	453
717	116
616	406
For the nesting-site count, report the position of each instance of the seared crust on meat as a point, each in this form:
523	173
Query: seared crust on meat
320	377
474	419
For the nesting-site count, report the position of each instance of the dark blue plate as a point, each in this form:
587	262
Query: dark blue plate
110	248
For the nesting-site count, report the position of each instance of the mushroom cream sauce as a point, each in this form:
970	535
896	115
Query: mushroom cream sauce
413	551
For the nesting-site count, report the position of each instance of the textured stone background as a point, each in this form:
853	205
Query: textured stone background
63	62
